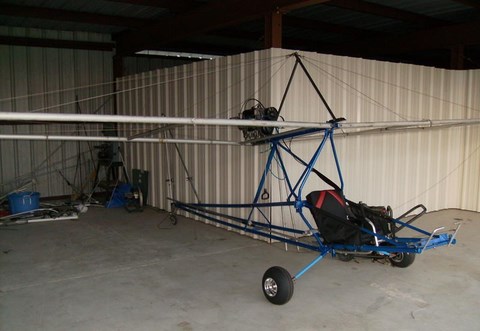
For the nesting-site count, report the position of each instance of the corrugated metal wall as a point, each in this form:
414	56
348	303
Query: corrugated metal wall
216	88
470	165
437	167
35	71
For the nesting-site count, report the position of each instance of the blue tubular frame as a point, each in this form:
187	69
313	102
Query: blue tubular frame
286	234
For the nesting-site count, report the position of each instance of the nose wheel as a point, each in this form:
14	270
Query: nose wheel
277	285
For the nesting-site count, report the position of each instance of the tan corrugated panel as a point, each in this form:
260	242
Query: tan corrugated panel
400	169
471	150
438	167
35	71
217	88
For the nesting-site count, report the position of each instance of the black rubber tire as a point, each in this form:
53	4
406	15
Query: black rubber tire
402	260
277	285
344	257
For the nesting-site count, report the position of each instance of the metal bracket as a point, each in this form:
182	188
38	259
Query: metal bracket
431	236
373	230
459	225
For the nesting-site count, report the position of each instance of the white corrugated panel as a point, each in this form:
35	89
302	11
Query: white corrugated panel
215	89
470	166
436	167
37	73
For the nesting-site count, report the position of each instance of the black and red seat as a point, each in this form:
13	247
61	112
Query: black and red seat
340	222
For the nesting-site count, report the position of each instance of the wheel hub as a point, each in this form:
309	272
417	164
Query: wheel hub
270	287
398	257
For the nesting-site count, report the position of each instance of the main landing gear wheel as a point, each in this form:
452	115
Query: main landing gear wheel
402	260
344	257
277	285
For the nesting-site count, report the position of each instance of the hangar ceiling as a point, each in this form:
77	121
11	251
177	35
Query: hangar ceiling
440	33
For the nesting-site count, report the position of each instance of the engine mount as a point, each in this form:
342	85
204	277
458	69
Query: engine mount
257	112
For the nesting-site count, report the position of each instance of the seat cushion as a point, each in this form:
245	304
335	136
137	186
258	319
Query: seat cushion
329	211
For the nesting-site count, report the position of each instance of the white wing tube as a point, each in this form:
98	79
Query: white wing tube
119	139
89	118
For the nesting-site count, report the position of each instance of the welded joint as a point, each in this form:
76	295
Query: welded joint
431	237
299	205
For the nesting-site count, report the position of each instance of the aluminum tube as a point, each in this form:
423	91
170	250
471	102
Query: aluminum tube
56	117
121	139
88	118
422	123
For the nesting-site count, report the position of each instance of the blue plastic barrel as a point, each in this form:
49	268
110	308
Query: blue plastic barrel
23	201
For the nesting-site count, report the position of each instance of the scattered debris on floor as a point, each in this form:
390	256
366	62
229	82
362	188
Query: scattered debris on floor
110	187
53	213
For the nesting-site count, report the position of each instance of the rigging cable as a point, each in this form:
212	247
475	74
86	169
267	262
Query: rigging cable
441	180
227	67
389	83
373	101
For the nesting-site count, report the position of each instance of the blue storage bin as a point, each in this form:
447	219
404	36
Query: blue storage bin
118	196
23	201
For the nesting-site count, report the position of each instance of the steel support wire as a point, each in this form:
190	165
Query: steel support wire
182	161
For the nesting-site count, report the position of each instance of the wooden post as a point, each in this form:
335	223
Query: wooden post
273	30
457	57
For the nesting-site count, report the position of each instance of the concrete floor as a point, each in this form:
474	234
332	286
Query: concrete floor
111	270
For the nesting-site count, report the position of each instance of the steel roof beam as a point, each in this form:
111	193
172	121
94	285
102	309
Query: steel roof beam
316	25
444	37
213	15
173	5
286	6
57	43
71	16
385	11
